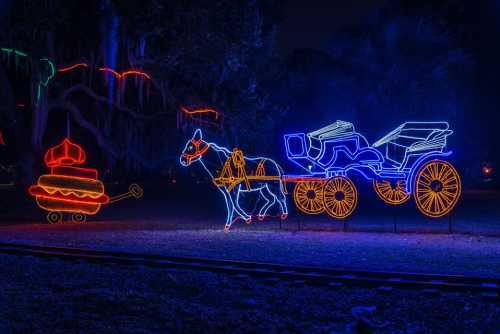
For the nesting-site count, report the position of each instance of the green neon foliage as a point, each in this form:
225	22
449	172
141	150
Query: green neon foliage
16	52
44	80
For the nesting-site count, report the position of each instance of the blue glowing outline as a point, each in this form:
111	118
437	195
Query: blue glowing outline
232	197
421	150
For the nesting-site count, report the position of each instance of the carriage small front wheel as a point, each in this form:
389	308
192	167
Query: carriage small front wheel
437	188
308	197
340	197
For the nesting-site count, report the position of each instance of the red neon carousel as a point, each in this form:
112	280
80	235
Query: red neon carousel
71	189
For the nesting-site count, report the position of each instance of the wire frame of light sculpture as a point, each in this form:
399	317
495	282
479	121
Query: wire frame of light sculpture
236	175
408	160
437	188
71	189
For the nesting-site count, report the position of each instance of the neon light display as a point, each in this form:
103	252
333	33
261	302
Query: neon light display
115	73
14	51
44	79
406	161
200	111
124	74
235	174
71	189
2	140
72	67
437	188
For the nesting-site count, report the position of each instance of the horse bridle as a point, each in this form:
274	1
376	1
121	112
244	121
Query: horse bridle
200	150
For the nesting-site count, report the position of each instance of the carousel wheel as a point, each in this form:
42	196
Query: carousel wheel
391	192
437	188
308	197
54	217
340	197
78	218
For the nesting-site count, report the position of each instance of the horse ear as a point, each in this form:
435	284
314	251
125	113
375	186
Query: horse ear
197	135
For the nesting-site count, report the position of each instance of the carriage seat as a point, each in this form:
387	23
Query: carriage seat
411	137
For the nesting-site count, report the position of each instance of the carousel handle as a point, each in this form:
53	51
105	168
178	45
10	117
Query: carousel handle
134	190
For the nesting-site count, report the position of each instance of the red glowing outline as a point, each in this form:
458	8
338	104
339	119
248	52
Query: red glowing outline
72	189
66	159
60	159
35	190
200	111
2	141
136	72
199	151
72	67
123	74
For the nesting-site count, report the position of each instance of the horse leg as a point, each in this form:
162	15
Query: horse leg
280	197
268	204
230	210
235	196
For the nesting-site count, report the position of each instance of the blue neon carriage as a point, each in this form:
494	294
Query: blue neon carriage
411	159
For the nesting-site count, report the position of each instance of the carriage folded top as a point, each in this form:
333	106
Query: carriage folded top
339	147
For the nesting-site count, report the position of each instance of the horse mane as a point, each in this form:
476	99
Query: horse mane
220	148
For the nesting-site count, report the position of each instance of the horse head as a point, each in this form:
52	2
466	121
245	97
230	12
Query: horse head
194	150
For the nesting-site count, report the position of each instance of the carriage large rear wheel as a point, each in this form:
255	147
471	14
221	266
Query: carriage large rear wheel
340	197
437	188
392	192
308	197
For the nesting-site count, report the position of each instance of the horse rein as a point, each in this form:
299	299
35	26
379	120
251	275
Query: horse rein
199	151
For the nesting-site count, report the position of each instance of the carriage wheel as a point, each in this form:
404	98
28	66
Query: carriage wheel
78	218
54	217
391	193
437	188
340	197
308	197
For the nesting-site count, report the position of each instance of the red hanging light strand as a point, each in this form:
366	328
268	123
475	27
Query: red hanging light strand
118	75
200	111
72	67
125	73
135	72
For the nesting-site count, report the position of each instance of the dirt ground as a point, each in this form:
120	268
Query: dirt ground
54	296
434	253
65	297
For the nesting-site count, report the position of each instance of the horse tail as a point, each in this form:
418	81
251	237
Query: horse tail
282	180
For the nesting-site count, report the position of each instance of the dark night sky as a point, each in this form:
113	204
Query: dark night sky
309	24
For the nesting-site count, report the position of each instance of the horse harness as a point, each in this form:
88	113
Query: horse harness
233	173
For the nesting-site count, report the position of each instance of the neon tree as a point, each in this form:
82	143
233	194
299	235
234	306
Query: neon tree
15	52
44	78
200	111
72	67
45	81
124	74
71	189
238	175
405	161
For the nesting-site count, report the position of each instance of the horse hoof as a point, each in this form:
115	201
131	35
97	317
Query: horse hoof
226	229
248	220
284	216
261	217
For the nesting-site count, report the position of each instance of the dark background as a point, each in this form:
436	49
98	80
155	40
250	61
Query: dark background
268	67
